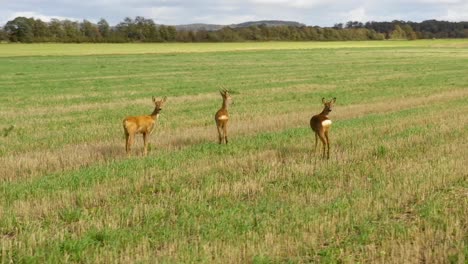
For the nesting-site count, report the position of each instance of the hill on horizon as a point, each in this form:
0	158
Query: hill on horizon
214	27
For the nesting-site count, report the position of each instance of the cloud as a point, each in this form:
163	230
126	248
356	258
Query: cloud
288	3
42	17
45	18
163	14
440	1
458	13
358	14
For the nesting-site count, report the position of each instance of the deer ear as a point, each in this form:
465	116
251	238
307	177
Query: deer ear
323	99
154	99
333	100
164	99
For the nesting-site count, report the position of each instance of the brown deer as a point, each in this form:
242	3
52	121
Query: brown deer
320	124
141	124
222	117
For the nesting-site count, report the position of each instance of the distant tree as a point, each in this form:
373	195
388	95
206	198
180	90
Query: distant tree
244	33
385	28
104	28
200	36
295	33
409	32
184	36
338	26
72	31
192	36
398	33
137	32
213	36
145	30
163	32
41	31
312	33
284	32
227	34
56	30
140	29
20	29
373	35
171	33
3	35
90	31
126	29
331	34
354	24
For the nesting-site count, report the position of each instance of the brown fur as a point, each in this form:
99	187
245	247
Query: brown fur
222	117
141	125
321	132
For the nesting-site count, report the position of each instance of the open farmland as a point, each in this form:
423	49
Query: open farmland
395	189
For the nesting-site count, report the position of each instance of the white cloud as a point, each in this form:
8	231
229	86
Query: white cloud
36	15
440	1
289	3
455	13
358	14
163	14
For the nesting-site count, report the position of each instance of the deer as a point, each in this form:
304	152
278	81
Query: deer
222	117
141	125
320	124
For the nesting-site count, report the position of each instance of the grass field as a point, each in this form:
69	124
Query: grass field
395	189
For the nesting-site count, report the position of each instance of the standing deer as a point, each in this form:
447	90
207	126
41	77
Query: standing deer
222	117
141	124
320	124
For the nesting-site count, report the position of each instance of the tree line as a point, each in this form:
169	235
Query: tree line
140	29
412	30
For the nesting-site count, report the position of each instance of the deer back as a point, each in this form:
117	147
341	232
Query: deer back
139	124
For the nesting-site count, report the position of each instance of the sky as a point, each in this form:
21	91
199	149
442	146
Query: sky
225	12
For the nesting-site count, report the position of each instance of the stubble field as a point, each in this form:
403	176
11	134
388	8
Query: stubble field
395	189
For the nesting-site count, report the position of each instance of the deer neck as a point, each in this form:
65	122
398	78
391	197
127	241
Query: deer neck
225	105
155	113
324	112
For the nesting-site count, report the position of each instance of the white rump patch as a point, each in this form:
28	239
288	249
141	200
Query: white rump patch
326	123
223	117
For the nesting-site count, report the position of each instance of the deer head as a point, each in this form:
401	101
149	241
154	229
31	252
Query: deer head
158	104
328	105
227	99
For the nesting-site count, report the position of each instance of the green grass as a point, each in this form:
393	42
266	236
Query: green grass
58	49
394	190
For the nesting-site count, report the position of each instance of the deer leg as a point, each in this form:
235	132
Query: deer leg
220	134
225	133
145	142
126	142
130	143
324	142
316	142
328	144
